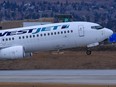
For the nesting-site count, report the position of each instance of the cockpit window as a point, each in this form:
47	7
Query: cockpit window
97	27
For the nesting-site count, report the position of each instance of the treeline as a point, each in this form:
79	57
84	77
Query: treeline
94	11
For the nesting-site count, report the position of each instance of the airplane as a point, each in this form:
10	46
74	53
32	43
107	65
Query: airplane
21	42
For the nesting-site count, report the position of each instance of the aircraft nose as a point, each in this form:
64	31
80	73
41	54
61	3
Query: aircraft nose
108	32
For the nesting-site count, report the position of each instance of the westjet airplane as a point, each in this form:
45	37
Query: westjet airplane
22	42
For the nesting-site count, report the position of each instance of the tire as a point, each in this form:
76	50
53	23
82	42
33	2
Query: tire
88	52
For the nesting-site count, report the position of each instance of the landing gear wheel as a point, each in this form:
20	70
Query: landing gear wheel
88	52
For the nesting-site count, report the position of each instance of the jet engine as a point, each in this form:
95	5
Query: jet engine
14	52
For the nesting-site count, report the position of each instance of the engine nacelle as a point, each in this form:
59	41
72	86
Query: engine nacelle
14	52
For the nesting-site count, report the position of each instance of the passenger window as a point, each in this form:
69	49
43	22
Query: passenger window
61	32
71	31
6	39
30	36
2	39
12	38
54	33
68	31
33	35
26	36
64	31
9	38
51	33
48	34
37	35
44	34
23	37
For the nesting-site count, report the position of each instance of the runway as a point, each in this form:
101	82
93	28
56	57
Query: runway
102	77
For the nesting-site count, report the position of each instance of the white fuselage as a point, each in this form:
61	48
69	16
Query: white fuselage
53	36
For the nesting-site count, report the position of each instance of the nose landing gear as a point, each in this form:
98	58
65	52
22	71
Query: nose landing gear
88	52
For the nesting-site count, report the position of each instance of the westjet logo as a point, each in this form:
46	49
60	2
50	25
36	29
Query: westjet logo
34	30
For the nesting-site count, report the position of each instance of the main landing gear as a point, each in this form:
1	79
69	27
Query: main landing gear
88	52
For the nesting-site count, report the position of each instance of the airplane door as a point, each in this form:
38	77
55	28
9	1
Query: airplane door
81	30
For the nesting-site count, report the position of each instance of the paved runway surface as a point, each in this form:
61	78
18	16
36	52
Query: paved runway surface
107	77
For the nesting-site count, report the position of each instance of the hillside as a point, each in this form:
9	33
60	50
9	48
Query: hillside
57	0
102	11
108	2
